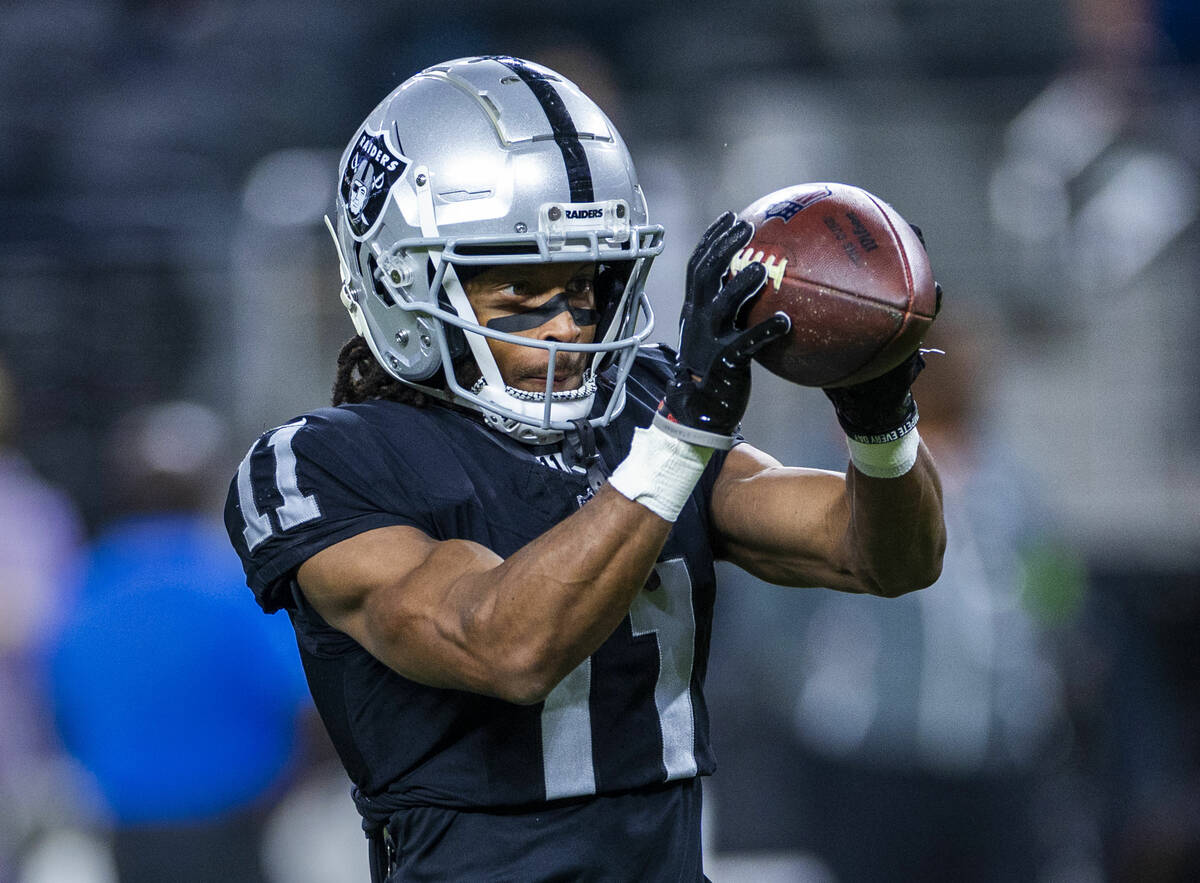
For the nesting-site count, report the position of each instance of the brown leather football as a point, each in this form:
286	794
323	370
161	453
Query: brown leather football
850	272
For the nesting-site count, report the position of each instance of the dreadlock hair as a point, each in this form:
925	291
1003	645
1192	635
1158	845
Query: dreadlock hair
360	378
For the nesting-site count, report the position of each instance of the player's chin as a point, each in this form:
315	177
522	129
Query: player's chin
538	384
564	381
567	377
571	383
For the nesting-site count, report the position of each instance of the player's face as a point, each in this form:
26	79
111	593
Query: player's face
544	302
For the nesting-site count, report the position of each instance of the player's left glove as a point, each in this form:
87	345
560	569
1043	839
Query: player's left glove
880	410
705	399
879	416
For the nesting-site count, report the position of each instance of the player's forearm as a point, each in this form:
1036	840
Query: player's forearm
895	537
550	605
557	599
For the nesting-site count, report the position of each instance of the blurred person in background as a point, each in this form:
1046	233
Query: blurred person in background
939	722
40	535
183	709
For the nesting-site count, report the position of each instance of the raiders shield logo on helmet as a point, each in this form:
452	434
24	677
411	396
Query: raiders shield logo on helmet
370	172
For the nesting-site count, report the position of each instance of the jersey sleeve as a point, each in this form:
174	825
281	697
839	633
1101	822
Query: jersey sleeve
309	484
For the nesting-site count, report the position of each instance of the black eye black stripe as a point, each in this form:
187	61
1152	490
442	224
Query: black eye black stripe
566	136
542	314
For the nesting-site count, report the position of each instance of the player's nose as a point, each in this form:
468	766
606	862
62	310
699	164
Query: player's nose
560	327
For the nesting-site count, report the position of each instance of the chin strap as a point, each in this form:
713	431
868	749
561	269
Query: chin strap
582	444
522	432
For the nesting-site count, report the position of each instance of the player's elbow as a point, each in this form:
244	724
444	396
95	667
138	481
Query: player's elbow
513	662
895	586
524	677
917	573
523	692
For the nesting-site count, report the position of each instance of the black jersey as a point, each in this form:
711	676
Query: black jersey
630	716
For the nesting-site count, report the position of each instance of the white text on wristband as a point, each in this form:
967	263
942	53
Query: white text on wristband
887	460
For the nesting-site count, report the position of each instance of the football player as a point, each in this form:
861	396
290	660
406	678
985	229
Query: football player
497	547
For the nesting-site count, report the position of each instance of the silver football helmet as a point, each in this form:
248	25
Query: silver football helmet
484	161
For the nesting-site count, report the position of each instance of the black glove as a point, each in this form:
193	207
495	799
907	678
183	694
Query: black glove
937	289
883	409
711	384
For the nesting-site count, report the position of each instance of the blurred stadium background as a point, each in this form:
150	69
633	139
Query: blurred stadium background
164	167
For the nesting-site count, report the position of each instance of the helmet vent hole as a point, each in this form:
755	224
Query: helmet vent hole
376	277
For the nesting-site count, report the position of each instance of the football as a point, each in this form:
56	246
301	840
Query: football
851	273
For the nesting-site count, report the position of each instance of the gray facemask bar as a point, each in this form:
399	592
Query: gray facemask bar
583	246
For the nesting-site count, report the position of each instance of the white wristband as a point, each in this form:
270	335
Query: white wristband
888	460
660	471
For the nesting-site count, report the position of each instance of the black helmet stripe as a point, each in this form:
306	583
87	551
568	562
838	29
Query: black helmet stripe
566	136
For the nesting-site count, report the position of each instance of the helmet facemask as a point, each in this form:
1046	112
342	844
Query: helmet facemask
537	416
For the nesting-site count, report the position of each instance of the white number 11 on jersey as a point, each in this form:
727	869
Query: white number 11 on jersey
297	507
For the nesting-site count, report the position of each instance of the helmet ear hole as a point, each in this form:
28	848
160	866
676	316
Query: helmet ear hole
377	285
456	341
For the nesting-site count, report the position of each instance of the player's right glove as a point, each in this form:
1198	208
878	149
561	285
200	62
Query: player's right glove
710	386
705	399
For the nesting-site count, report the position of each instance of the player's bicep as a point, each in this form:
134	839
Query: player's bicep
783	524
398	593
